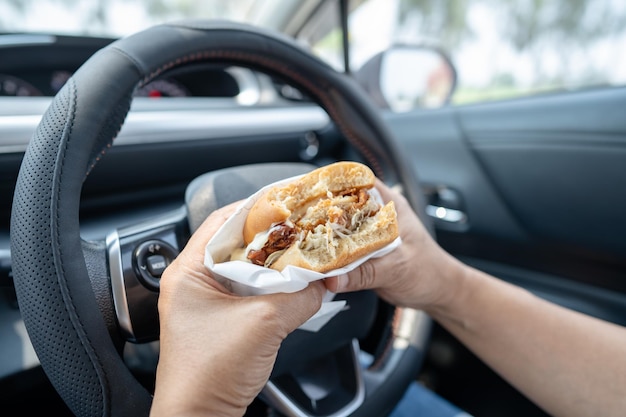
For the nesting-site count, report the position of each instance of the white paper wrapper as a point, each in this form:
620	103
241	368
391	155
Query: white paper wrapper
246	279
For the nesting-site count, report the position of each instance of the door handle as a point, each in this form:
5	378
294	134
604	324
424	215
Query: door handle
445	206
446	214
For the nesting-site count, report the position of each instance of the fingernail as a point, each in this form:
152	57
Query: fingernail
342	282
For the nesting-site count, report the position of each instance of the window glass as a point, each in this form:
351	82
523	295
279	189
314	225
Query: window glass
501	49
322	34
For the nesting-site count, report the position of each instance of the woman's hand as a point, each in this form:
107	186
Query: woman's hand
418	274
217	349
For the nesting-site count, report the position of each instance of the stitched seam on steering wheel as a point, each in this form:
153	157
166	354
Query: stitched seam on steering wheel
103	152
330	108
109	144
70	307
383	358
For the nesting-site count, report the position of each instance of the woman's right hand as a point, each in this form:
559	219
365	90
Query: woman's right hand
418	274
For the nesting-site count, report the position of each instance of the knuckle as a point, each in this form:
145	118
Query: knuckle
266	312
270	318
366	276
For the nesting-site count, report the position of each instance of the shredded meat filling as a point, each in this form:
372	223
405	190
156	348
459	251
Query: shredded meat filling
280	238
363	198
345	206
342	214
338	216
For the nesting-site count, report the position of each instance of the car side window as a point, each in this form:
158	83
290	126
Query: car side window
500	49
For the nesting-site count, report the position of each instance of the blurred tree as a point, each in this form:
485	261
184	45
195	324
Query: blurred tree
16	4
96	16
523	23
526	22
96	12
567	28
545	29
503	79
445	21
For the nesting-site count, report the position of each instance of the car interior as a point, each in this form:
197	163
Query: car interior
179	119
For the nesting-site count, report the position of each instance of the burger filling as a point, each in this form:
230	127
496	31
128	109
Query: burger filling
321	224
279	238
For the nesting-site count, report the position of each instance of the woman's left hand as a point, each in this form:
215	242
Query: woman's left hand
218	349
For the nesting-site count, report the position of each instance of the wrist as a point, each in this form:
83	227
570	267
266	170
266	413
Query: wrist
174	407
454	281
177	394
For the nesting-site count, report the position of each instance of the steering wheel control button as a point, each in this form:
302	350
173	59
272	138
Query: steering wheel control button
156	265
150	260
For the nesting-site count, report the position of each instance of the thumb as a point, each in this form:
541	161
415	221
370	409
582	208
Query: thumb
296	308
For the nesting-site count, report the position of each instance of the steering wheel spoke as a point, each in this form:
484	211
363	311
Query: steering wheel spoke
330	385
137	256
342	379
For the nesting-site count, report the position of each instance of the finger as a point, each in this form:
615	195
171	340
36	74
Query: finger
361	278
190	260
391	194
387	193
210	226
383	189
337	284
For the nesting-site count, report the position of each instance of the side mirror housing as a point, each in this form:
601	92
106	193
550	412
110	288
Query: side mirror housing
407	77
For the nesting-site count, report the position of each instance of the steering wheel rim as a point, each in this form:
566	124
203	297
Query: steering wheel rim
62	310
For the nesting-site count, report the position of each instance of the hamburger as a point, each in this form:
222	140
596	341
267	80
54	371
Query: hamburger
321	221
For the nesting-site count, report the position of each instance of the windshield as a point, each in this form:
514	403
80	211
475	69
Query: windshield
500	49
114	18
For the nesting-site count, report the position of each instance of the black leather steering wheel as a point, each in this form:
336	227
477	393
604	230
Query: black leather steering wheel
80	310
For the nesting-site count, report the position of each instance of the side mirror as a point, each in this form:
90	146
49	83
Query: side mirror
406	77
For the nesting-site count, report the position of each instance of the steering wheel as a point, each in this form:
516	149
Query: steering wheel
80	311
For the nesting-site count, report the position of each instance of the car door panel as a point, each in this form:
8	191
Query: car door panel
597	302
559	164
441	157
542	182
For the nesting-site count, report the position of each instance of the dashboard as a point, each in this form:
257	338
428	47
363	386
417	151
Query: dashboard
206	82
38	65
